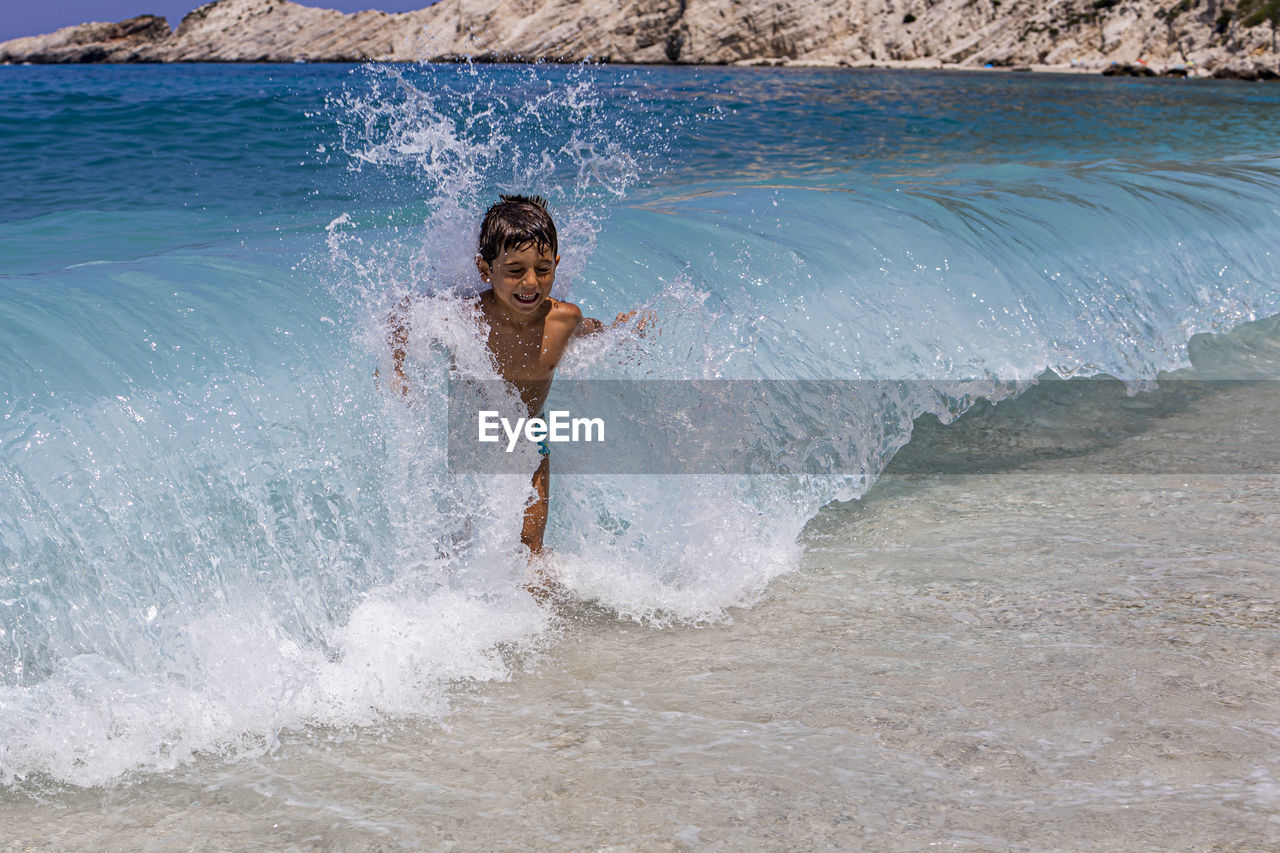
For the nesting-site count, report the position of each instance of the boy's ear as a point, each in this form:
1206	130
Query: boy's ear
483	266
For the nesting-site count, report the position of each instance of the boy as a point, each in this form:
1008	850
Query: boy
528	331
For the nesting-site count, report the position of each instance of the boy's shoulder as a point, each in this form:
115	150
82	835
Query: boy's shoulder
563	318
563	310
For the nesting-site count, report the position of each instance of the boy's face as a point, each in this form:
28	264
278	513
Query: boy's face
521	277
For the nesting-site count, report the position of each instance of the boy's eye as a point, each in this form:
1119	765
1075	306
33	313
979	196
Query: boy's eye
516	273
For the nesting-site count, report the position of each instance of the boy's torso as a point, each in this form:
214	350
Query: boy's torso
526	354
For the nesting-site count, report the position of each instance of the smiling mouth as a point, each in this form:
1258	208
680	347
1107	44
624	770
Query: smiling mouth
526	298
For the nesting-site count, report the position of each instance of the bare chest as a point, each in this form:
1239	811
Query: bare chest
520	354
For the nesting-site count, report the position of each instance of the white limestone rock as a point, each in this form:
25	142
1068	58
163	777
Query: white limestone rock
1064	34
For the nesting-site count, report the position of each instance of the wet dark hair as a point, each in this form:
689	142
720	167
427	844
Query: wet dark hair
517	220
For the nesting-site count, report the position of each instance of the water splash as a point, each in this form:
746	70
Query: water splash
431	147
215	524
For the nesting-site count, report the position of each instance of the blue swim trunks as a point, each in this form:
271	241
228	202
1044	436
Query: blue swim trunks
544	446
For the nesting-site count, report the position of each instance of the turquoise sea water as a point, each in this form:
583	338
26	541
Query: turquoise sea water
215	529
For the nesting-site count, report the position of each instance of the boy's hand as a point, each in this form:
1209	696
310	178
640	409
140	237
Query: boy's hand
397	386
591	326
641	324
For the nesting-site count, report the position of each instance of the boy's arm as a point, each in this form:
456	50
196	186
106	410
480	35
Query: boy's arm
398	337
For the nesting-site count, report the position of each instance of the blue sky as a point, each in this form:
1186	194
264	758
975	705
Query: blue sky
25	18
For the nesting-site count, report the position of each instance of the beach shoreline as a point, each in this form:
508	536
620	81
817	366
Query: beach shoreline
883	65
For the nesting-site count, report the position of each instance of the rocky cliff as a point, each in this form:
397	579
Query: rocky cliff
1199	34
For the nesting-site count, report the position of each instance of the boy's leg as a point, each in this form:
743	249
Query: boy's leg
535	516
535	524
